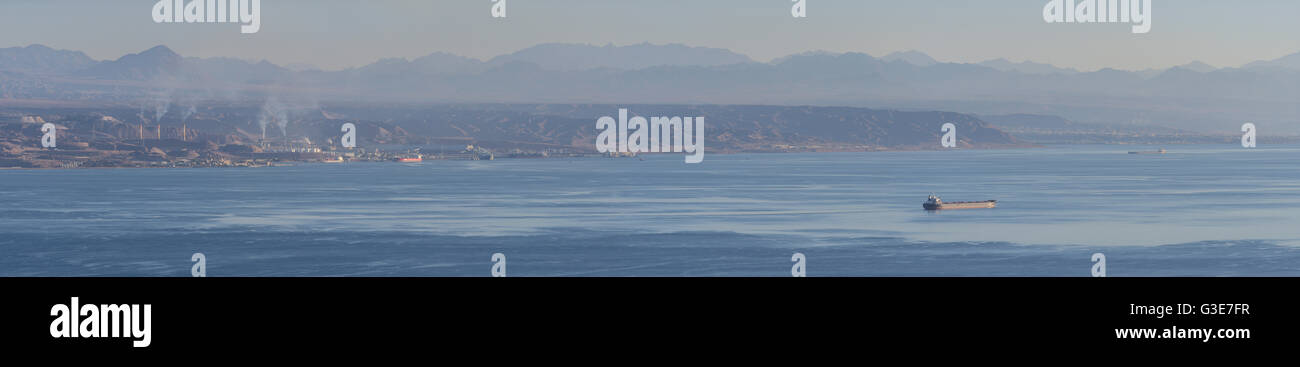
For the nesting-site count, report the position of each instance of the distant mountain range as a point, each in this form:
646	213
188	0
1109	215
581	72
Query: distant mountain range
157	62
43	60
911	57
1026	67
1291	62
1194	96
575	57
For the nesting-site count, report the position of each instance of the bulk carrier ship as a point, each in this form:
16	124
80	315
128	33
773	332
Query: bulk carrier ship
935	203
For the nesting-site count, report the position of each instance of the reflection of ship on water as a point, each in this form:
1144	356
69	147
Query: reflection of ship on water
935	203
1161	151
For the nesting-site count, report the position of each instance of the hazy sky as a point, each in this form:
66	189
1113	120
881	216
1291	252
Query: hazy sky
341	33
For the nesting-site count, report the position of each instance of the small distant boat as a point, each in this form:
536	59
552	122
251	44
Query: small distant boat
935	203
1161	151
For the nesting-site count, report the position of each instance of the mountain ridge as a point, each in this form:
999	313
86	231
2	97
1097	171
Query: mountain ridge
809	78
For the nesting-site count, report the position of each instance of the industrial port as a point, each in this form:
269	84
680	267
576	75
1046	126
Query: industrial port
216	138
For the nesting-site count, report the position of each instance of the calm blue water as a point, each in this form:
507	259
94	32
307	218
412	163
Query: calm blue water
1197	211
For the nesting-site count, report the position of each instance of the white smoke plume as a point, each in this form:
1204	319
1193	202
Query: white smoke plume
280	113
189	111
273	112
161	102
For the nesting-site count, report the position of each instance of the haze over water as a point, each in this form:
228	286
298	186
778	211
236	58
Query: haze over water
1196	211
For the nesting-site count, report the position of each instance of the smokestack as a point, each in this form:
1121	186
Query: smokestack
185	130
159	131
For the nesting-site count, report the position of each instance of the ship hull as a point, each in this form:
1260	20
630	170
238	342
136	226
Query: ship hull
961	205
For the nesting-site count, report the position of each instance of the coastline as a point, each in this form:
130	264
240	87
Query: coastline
281	163
291	163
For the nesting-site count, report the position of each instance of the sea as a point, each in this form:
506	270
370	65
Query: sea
1197	210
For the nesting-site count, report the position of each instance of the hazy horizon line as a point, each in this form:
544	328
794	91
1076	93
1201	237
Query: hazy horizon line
614	44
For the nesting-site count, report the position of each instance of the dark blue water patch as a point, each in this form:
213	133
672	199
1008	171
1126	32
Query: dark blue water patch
255	251
1207	258
893	257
